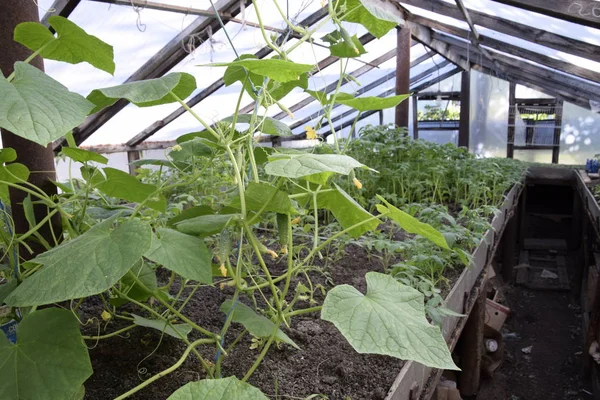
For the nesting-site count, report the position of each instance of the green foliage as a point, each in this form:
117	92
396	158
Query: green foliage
49	360
218	389
389	319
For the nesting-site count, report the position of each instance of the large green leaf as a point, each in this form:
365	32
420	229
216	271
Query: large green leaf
375	15
347	211
278	70
87	265
257	325
370	103
72	44
259	195
412	225
82	156
313	167
204	225
389	320
49	360
38	108
176	330
6	289
187	255
146	93
124	186
268	125
218	389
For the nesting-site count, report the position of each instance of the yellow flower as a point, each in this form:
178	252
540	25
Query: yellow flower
357	183
106	316
295	221
323	3
176	148
284	250
310	132
272	254
223	270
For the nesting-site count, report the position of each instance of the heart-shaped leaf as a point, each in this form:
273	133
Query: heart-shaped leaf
389	319
146	93
278	70
82	156
267	125
375	15
72	44
124	186
49	360
176	330
87	265
218	389
38	108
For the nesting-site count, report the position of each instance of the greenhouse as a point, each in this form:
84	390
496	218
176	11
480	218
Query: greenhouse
309	199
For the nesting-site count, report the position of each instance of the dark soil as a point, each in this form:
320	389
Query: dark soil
326	363
550	321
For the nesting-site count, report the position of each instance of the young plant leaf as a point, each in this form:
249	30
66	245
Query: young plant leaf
174	330
49	360
257	325
197	147
347	211
218	389
375	15
389	320
186	255
84	266
151	92
370	103
38	108
278	70
124	186
6	289
269	126
412	225
257	194
137	291
82	156
344	49
315	168
72	44
7	155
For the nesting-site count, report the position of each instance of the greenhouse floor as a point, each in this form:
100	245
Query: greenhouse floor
549	322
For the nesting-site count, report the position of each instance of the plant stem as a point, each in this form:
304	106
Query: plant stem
109	335
303	311
167	371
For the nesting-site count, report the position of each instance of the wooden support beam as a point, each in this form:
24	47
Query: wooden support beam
402	74
510	27
471	348
566	88
63	8
512	49
424	35
212	88
465	107
510	134
158	65
133	155
415	100
509	247
582	12
124	148
557	131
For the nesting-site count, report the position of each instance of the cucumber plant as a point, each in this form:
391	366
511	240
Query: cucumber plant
111	249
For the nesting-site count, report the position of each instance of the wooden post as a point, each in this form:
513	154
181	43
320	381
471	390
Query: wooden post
471	349
558	109
402	74
380	117
415	99
465	107
509	241
132	156
510	137
39	159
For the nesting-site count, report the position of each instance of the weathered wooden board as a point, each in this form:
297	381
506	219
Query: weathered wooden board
411	382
